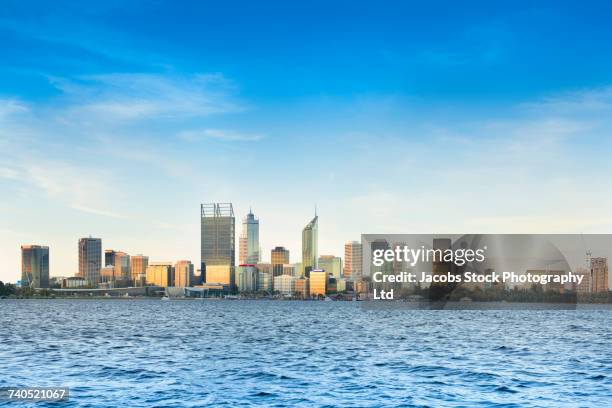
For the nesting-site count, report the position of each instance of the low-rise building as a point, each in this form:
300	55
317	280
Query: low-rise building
285	284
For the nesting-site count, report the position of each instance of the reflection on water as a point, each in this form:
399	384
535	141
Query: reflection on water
192	353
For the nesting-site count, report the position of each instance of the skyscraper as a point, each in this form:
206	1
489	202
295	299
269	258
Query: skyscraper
90	259
35	266
310	238
353	258
279	257
217	243
249	240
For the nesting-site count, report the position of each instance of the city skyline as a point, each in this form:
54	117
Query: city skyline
94	255
478	119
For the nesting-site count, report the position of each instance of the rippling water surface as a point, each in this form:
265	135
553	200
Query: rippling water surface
271	353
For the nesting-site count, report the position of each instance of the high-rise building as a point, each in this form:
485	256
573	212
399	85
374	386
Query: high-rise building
109	257
331	264
248	242
310	238
183	274
248	277
122	266
353	258
160	274
35	266
90	259
217	243
599	275
318	282
279	257
138	269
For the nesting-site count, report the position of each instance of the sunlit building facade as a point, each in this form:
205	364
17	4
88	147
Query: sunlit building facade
160	274
138	269
183	274
279	257
217	243
122	266
318	283
35	266
353	258
302	288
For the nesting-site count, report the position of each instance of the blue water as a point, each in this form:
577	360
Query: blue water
271	353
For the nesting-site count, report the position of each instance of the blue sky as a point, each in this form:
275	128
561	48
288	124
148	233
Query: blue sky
117	119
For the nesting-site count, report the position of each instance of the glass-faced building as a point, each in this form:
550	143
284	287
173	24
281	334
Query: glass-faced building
90	259
318	283
249	240
35	266
310	238
279	257
217	246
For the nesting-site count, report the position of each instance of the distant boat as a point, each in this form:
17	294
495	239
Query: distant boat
165	298
328	299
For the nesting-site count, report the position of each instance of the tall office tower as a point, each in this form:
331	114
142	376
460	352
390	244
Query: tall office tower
310	238
249	240
279	257
138	269
109	257
218	250
90	259
331	264
183	274
599	275
122	266
160	274
35	266
353	259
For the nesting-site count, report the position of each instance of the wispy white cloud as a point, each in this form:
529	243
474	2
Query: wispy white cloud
139	96
218	134
96	211
10	107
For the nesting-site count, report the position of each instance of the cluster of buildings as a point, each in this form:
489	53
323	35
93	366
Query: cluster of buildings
220	273
315	276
